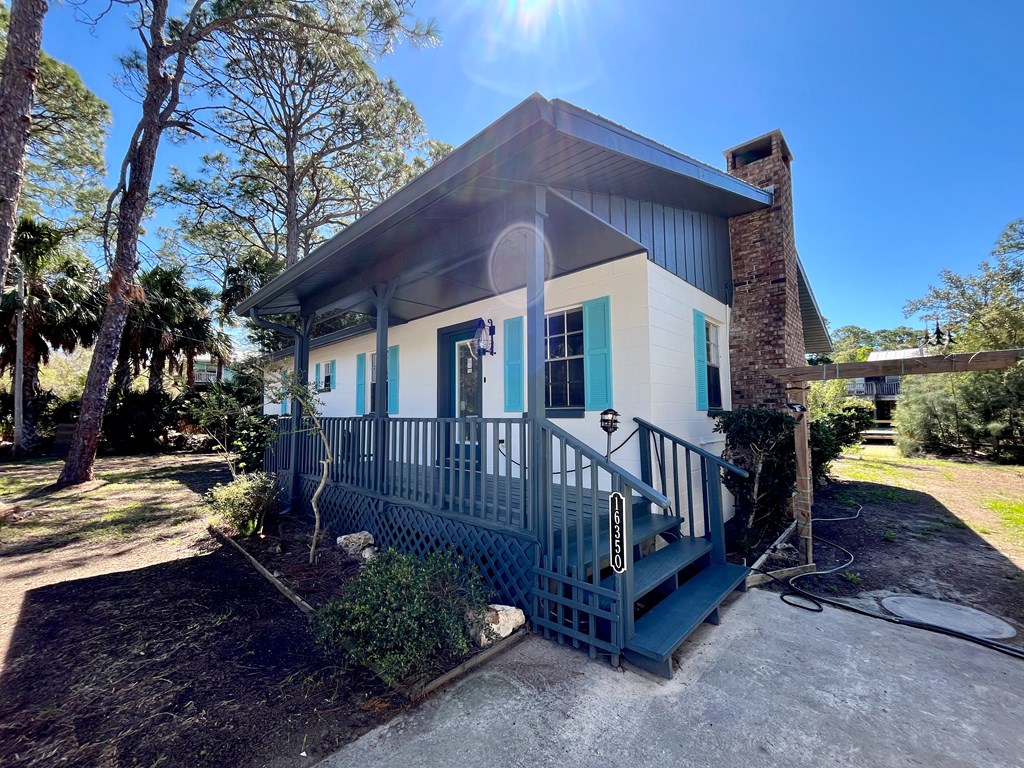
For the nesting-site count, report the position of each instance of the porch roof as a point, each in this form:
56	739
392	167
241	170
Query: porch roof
436	238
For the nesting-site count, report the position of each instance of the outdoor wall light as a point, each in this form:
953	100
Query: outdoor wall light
483	341
609	423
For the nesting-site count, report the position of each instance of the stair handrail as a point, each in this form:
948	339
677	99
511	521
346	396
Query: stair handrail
646	490
691	447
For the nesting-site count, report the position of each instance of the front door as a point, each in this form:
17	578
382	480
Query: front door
460	390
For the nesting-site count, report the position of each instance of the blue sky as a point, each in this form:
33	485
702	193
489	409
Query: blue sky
905	119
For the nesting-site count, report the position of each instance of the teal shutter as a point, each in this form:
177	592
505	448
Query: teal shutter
597	353
284	406
316	377
332	371
393	379
700	359
360	384
514	368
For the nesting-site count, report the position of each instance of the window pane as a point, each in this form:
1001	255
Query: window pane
556	324
714	387
577	394
574	320
575	343
558	396
575	370
559	372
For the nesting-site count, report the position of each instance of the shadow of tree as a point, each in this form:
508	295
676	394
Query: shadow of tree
195	662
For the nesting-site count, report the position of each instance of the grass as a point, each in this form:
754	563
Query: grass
1012	514
852	577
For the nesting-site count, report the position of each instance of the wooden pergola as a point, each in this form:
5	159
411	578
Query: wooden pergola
796	389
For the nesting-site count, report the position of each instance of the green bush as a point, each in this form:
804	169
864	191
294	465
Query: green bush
760	440
139	421
832	432
233	417
404	616
246	502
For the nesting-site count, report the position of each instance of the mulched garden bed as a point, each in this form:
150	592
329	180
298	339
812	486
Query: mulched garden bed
191	662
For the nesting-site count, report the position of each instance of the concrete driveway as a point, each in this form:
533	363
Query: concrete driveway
771	686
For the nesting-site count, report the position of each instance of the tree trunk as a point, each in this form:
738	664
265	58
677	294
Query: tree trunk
291	209
161	98
190	370
122	375
17	87
30	395
156	372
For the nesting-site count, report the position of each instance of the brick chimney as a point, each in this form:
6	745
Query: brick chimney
767	329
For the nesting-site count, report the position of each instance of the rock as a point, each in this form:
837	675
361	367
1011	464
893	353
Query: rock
368	554
354	543
783	552
499	621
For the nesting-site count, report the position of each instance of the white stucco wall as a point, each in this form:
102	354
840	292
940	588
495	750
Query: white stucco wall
652	354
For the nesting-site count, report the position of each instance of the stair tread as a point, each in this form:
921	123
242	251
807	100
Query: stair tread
659	566
644	527
668	624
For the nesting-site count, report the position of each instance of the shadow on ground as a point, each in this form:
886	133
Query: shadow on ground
192	662
907	542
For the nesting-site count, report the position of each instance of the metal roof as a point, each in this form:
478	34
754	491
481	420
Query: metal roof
435	236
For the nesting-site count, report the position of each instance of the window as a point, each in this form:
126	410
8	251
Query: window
564	360
714	374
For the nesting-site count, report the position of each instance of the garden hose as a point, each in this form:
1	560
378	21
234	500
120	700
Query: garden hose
796	597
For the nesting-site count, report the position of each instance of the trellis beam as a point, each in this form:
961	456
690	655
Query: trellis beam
961	362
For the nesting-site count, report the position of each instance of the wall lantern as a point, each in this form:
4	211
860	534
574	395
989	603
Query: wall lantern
483	340
609	423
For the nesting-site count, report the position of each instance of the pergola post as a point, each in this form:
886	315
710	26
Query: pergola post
803	499
535	335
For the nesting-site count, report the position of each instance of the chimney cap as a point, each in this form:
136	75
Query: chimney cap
760	147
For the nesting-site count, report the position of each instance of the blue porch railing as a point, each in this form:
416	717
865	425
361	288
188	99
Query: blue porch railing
468	482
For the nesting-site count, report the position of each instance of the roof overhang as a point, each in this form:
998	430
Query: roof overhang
437	238
816	337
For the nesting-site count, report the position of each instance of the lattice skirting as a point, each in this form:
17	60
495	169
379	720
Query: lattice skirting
505	558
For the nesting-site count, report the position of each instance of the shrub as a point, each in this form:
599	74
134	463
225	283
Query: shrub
230	416
832	432
760	440
246	502
404	616
139	421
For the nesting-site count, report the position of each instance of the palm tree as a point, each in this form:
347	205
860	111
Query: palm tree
63	306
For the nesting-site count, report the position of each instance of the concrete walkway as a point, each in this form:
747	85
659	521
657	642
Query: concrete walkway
771	686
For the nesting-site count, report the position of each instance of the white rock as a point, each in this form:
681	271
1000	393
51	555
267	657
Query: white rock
354	543
500	621
368	554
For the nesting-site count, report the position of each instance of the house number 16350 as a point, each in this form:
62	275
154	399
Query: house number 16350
617	531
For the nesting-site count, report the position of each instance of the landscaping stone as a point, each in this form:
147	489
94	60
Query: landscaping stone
368	554
354	543
500	621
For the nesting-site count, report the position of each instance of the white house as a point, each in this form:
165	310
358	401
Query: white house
617	275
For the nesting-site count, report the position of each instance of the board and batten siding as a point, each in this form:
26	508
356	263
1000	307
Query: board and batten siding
689	244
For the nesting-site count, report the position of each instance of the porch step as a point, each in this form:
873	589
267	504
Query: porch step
644	527
658	567
666	626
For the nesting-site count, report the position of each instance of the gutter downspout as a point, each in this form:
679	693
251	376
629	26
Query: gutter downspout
300	368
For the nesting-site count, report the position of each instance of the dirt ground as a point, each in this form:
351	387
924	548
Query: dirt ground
129	637
946	529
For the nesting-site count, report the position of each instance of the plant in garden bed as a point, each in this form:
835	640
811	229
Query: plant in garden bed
406	617
246	502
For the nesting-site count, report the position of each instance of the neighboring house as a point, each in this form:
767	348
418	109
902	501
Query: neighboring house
882	391
205	371
617	274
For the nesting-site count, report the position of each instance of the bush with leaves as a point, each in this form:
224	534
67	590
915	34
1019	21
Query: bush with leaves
247	502
760	440
139	421
832	432
405	617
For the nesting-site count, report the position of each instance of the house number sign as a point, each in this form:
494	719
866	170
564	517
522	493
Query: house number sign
617	531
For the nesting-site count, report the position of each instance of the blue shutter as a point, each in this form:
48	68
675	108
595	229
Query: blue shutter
700	359
316	377
332	370
597	353
513	341
360	384
284	406
393	379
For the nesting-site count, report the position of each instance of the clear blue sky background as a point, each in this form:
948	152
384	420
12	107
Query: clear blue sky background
906	119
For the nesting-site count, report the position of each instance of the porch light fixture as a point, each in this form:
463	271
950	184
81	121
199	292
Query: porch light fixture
609	423
483	340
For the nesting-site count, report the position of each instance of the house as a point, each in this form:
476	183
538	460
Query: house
552	275
882	391
207	369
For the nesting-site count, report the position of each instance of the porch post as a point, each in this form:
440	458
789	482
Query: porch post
382	295
803	499
300	371
535	335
